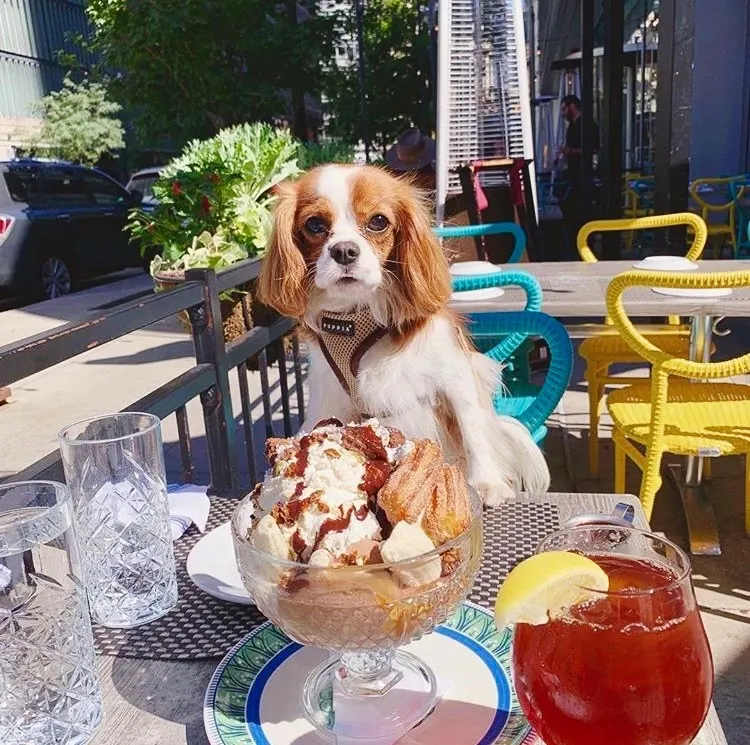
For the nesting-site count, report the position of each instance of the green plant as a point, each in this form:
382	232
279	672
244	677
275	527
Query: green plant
397	76
206	252
221	187
79	123
190	68
312	154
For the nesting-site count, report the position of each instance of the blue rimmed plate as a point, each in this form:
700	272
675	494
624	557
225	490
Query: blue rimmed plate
254	694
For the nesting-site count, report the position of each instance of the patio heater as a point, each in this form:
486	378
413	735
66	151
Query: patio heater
484	102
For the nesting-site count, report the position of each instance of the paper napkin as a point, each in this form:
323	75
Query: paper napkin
188	505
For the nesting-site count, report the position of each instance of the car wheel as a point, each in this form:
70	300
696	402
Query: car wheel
55	278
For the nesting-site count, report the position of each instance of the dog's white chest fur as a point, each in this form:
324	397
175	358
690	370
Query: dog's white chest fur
404	388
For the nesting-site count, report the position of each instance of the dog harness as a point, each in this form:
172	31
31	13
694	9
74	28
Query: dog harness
344	338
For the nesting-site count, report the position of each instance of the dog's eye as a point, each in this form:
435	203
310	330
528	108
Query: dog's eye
378	223
316	225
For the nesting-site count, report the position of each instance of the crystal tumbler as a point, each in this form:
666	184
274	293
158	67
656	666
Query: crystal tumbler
49	691
114	466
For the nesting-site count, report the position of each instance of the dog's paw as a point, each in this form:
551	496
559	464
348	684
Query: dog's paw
493	493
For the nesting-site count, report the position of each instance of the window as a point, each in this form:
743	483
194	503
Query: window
23	185
144	184
62	187
103	190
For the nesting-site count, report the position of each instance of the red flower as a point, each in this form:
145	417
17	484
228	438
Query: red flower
176	189
205	204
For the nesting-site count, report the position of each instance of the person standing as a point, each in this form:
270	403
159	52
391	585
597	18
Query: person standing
571	204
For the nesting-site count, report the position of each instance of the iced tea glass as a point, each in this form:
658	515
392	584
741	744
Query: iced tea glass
631	666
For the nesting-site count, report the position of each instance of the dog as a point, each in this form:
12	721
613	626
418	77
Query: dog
352	256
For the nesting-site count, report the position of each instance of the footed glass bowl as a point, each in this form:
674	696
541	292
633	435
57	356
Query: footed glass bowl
363	614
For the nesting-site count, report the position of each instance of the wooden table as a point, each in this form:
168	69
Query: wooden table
160	703
574	289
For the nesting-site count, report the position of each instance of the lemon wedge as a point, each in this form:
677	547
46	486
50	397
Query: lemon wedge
542	586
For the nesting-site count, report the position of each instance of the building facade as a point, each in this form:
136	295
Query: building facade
32	34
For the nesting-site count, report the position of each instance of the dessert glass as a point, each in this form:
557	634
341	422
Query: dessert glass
362	614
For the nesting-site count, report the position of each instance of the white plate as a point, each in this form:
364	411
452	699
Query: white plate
254	695
473	296
212	566
666	264
692	292
470	268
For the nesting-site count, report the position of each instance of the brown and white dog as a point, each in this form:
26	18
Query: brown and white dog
354	258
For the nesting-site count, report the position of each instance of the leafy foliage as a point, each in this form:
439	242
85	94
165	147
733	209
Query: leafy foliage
189	68
206	252
220	187
397	80
328	151
79	123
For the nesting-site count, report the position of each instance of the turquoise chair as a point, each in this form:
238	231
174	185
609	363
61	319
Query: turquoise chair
740	189
499	335
491	228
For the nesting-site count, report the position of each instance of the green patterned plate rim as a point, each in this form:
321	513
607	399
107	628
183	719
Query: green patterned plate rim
224	708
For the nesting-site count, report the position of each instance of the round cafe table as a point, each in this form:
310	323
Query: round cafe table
160	701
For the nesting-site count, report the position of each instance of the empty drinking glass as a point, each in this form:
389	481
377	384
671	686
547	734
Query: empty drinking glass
114	466
49	691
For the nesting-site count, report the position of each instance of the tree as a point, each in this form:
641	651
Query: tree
189	68
397	76
79	123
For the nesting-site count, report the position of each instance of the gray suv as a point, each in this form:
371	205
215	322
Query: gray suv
59	223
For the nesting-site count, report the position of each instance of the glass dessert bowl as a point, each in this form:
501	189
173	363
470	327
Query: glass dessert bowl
364	608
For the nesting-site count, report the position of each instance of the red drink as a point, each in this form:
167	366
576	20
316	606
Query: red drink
632	667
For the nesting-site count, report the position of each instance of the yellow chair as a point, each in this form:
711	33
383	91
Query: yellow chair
687	416
606	348
726	226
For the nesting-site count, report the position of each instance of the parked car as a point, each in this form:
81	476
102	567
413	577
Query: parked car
143	181
60	223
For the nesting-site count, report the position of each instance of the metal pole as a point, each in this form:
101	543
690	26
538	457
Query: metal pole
587	104
674	96
642	135
208	340
364	114
443	107
614	32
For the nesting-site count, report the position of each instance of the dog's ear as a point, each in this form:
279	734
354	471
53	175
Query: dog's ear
422	283
281	283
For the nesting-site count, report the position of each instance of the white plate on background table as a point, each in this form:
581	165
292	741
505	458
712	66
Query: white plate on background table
212	566
472	268
254	695
692	292
666	264
678	264
476	296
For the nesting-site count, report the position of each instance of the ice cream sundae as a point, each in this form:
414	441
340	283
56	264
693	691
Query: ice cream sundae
359	540
358	494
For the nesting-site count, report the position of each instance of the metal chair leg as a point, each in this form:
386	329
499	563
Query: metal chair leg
620	467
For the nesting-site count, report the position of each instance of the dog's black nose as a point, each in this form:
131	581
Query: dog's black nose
344	253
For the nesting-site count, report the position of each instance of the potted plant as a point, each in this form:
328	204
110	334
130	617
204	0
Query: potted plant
213	209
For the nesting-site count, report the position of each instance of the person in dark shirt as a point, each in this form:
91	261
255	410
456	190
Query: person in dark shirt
570	204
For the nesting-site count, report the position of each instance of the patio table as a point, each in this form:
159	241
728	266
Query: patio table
160	702
578	290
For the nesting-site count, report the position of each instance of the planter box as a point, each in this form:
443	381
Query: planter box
239	315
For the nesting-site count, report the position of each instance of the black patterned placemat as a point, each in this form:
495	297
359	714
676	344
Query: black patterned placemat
511	533
202	627
199	627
